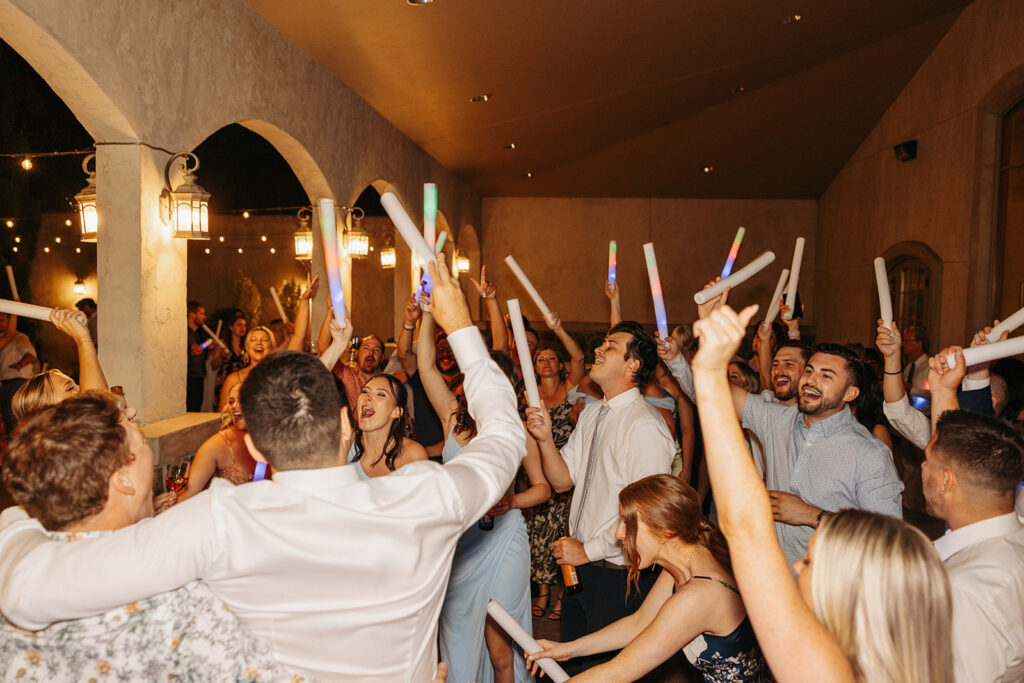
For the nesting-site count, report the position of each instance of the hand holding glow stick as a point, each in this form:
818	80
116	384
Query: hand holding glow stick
794	277
277	303
742	275
515	316
508	623
528	286
987	353
329	231
613	257
14	286
439	245
29	310
213	336
733	252
1008	325
884	297
407	229
660	317
775	303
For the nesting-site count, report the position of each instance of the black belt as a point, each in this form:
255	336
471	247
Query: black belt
605	564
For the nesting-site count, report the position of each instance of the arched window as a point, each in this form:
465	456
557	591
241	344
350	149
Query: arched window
909	281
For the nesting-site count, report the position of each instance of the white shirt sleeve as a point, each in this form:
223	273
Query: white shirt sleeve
46	581
486	466
911	424
683	373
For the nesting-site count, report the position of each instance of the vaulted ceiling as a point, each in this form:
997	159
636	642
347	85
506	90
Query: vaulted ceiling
626	98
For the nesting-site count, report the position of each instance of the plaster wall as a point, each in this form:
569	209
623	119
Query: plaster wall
944	198
562	246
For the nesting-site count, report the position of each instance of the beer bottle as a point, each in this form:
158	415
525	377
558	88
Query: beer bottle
570	577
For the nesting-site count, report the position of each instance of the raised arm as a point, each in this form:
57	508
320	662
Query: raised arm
944	381
764	354
488	291
611	290
781	619
90	373
576	366
538	422
297	340
340	338
909	423
434	384
668	351
406	353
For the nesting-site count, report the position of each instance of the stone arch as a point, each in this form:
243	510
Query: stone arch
902	253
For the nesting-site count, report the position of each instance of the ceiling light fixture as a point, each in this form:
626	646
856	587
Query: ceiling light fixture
510	145
528	174
419	2
792	19
709	169
245	214
26	164
486	97
739	90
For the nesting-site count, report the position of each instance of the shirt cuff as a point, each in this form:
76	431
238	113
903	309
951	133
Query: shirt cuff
974	384
593	550
468	346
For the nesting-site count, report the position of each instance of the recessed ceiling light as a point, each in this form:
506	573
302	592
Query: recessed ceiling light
482	98
419	2
78	250
263	238
207	250
273	251
739	90
510	145
792	19
709	169
46	249
67	222
239	250
528	174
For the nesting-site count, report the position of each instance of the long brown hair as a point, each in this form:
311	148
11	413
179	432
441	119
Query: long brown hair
671	509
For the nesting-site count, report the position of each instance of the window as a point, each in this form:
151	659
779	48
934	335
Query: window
909	282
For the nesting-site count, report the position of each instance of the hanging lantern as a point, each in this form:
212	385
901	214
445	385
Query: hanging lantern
357	241
187	207
86	202
304	236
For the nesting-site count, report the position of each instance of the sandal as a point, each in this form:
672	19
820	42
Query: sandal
556	612
540	607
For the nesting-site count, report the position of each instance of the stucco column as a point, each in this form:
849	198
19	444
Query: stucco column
141	279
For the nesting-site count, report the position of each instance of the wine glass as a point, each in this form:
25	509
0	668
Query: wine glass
177	475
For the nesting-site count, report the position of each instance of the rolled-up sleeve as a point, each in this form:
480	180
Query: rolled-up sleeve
909	423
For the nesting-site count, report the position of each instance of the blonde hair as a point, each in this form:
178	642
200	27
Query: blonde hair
248	336
34	394
880	589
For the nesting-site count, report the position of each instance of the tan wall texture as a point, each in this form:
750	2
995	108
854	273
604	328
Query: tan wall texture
943	198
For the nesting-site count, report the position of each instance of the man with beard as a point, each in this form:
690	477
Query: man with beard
368	363
786	370
819	459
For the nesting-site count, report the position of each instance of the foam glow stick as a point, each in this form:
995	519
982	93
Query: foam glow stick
794	276
884	298
732	252
1008	325
30	311
742	275
215	338
774	304
429	212
507	622
14	287
660	316
329	231
613	257
260	472
276	302
515	316
528	286
407	229
989	352
219	323
439	245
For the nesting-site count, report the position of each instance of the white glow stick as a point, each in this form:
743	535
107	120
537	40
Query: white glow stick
439	244
1008	325
219	323
14	287
794	276
742	275
884	298
775	303
987	353
215	337
26	310
515	316
407	229
329	231
660	317
277	302
512	627
528	286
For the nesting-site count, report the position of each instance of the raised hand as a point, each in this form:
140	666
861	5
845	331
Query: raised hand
311	288
341	335
668	348
553	321
705	309
720	335
888	339
611	290
943	376
447	303
538	423
412	311
69	322
485	288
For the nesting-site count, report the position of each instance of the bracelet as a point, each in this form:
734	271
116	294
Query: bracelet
794	334
898	372
408	327
817	520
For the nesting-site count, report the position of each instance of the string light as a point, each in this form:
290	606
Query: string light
57	240
26	164
273	251
222	238
263	238
9	224
15	249
67	222
239	250
245	214
207	250
17	239
78	250
46	249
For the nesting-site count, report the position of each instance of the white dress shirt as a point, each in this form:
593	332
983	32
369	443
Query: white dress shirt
344	578
634	443
683	373
985	564
910	423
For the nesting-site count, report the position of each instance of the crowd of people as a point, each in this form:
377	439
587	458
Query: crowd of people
729	493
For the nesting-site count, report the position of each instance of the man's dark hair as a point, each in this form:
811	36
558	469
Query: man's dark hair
59	461
292	411
803	347
194	306
87	302
641	347
987	452
854	366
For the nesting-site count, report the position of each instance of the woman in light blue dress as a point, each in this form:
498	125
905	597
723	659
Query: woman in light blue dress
489	563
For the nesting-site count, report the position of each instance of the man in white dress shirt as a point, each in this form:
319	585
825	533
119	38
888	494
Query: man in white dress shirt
972	466
344	578
617	441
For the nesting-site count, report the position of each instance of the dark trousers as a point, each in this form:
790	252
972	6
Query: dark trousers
7	391
601	601
194	394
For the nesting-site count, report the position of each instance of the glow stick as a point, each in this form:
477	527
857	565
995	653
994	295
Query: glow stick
219	323
660	316
429	212
27	310
515	316
329	231
732	252
277	302
528	286
215	337
774	304
613	250
260	473
439	245
407	228
794	276
1008	325
507	622
742	275
884	298
987	353
14	287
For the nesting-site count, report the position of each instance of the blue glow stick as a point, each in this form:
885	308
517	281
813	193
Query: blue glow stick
260	473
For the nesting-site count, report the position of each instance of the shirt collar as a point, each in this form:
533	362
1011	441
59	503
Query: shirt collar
829	425
323	479
624	398
972	534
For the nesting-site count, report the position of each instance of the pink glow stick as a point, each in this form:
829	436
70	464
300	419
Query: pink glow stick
733	252
329	230
660	317
613	250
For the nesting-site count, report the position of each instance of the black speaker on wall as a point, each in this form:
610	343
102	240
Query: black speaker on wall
905	151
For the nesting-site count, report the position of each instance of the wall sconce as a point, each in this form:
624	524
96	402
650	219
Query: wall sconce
304	236
79	287
388	256
186	208
357	241
461	262
86	201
